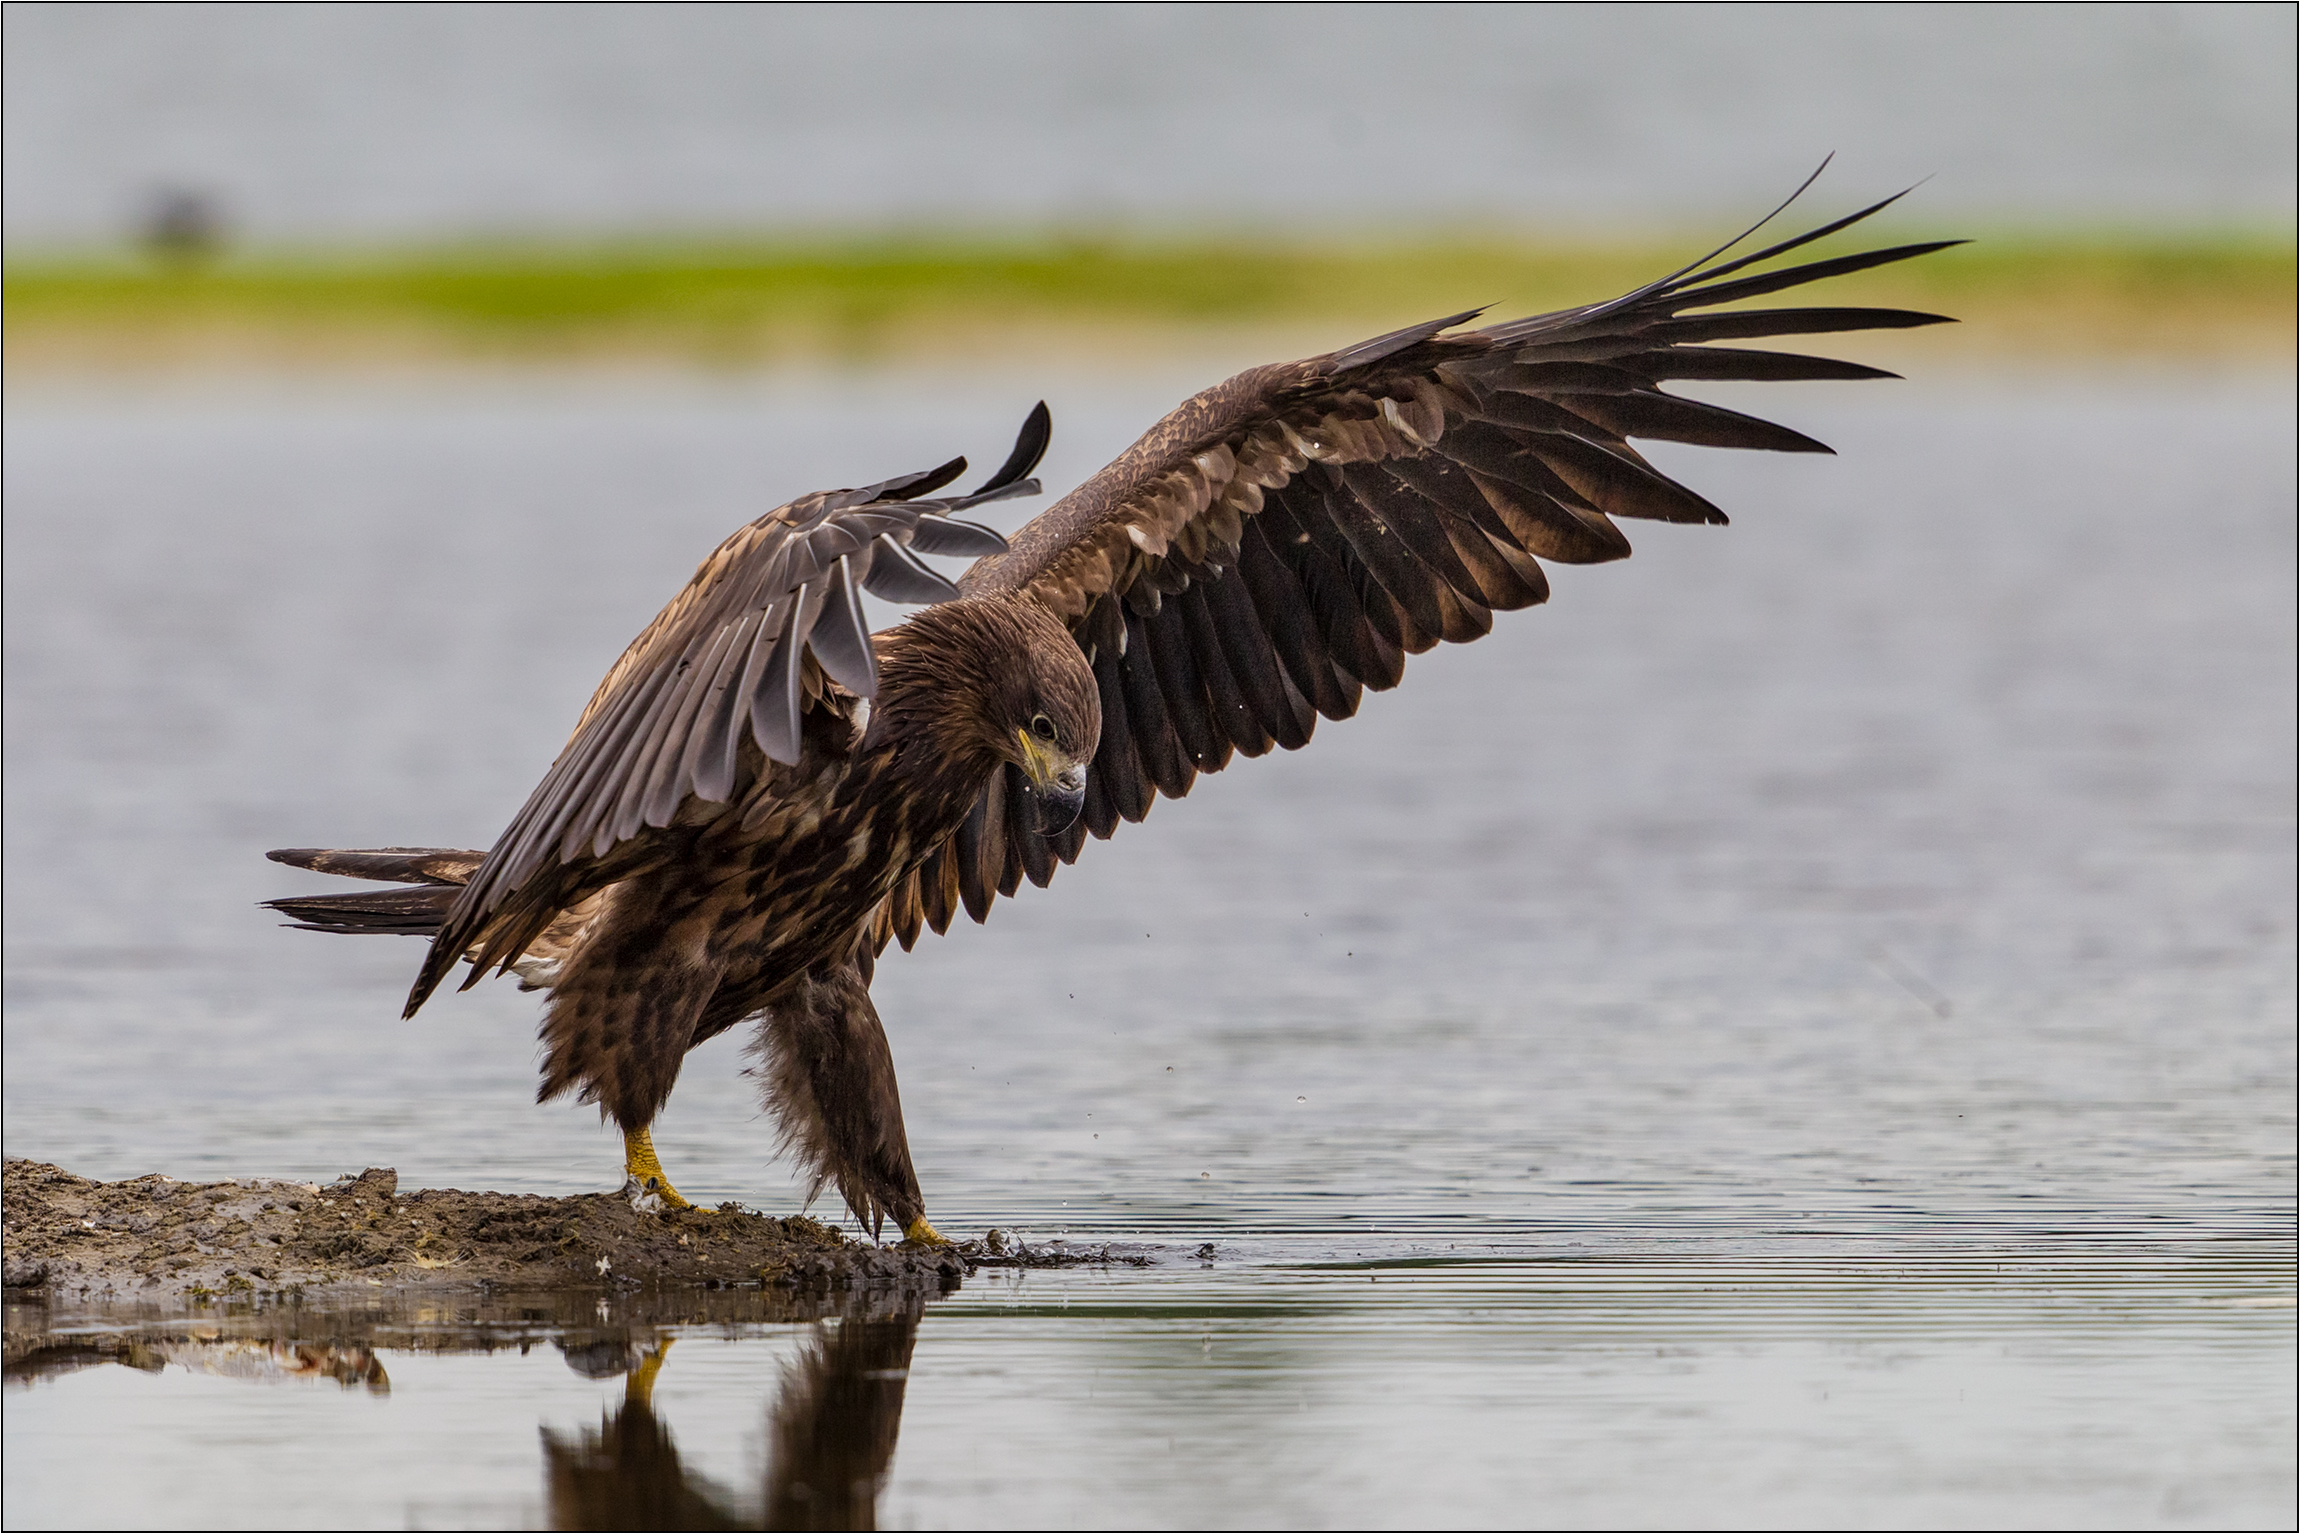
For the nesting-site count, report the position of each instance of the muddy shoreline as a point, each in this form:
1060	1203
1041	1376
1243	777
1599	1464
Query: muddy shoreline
159	1239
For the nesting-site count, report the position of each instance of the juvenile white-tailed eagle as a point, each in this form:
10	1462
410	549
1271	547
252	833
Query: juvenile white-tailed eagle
762	793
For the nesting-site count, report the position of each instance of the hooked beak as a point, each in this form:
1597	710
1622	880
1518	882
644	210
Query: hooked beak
1057	788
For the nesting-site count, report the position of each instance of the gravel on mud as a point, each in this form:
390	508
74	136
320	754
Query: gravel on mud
155	1237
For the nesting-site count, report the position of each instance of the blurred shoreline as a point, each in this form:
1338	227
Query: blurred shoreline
2218	299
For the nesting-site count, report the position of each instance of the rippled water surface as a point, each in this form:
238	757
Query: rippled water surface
1798	1032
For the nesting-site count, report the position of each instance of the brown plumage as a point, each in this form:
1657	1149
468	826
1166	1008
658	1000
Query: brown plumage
760	796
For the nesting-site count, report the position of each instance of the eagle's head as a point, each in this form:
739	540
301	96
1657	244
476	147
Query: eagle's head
999	680
1045	713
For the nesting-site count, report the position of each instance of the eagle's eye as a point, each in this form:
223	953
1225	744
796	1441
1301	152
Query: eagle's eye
1042	727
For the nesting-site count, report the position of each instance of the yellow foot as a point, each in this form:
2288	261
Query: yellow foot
919	1233
644	1184
639	1384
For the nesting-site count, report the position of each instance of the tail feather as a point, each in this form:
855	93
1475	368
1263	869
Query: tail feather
399	865
438	874
418	912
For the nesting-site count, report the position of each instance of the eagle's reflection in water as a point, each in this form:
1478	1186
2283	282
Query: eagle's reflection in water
831	1435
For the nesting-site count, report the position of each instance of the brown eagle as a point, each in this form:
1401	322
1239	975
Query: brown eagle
763	793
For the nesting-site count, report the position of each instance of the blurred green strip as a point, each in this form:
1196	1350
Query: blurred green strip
894	293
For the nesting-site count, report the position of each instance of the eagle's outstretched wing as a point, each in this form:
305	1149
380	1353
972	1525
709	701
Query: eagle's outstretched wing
742	650
1280	543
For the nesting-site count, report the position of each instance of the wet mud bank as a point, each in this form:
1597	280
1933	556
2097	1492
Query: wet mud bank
159	1239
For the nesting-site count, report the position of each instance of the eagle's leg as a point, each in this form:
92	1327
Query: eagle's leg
829	1079
643	1178
615	1033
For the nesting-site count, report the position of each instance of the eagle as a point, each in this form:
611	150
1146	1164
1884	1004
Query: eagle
763	794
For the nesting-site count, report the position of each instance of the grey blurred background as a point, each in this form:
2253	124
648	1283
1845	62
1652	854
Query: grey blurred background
358	123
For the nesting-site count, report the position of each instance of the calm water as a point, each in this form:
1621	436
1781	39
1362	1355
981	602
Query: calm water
1825	1382
1798	1032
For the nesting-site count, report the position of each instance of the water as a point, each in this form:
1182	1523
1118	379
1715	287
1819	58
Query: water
1825	1388
1798	1031
333	123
